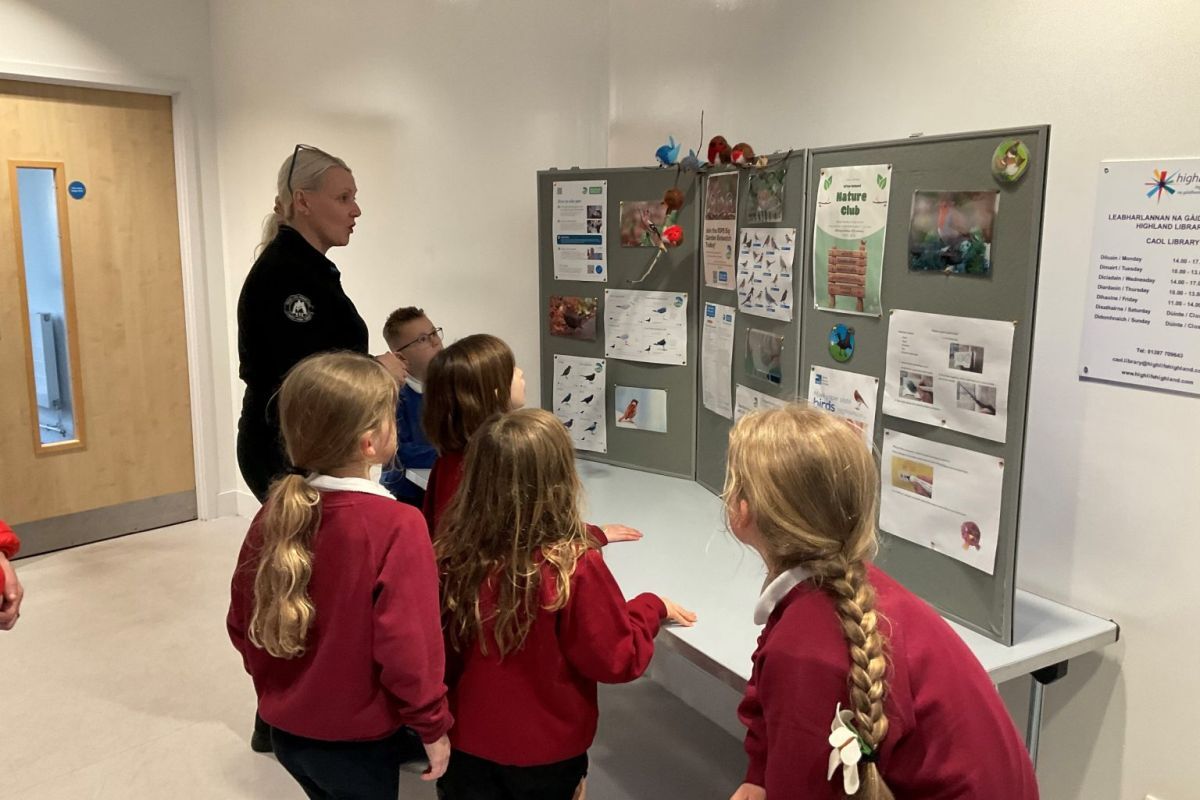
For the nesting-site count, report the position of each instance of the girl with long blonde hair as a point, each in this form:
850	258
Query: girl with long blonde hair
859	689
334	603
534	619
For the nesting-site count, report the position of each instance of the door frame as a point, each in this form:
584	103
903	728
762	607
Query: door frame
198	300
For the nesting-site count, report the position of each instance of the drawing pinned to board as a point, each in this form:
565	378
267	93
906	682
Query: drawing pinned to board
849	231
579	387
951	232
764	355
766	196
639	219
841	343
640	409
765	285
1010	160
573	317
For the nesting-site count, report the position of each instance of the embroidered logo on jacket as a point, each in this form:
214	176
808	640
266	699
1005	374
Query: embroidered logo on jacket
298	308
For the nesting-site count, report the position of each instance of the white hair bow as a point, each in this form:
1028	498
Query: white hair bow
848	749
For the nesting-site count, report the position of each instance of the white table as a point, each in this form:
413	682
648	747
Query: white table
688	555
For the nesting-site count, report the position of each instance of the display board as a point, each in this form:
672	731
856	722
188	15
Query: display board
916	263
631	344
960	249
769	199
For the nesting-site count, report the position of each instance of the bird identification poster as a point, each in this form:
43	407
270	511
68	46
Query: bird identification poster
951	372
1142	320
645	326
716	356
578	227
720	228
848	236
941	497
764	272
579	400
848	395
747	400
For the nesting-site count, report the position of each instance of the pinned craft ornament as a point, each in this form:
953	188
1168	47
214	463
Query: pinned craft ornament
673	199
848	750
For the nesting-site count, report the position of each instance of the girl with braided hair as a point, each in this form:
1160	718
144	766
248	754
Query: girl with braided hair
858	687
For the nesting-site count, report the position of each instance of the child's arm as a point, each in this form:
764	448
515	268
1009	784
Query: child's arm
750	713
241	602
408	629
605	638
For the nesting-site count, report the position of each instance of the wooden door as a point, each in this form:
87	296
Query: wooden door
124	459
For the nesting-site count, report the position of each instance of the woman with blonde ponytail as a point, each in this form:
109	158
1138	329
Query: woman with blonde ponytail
859	689
334	603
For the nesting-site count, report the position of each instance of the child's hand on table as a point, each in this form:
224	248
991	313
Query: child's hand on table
678	614
621	533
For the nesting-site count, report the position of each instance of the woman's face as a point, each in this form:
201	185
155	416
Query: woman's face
330	210
516	396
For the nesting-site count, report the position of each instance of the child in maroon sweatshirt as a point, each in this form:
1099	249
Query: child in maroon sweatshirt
858	687
11	591
534	619
334	603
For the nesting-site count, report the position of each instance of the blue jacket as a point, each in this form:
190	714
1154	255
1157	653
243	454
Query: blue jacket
414	451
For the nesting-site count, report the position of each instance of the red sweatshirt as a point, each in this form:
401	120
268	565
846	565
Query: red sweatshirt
375	658
444	478
9	543
949	734
538	705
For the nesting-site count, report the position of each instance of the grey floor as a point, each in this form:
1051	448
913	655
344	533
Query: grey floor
119	682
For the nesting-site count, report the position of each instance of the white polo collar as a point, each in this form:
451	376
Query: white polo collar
328	483
776	590
415	384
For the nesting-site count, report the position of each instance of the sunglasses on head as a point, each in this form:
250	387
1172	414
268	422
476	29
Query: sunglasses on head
292	166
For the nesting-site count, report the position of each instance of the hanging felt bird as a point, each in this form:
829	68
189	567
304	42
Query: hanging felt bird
718	150
630	411
691	162
742	154
673	199
672	236
668	153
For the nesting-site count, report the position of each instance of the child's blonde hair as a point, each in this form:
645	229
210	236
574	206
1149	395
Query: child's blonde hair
326	404
812	489
519	497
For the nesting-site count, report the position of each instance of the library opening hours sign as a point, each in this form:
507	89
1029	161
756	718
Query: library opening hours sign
1142	320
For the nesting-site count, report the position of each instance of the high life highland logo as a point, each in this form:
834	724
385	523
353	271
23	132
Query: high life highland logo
1181	182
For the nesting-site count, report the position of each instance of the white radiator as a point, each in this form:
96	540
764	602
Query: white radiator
45	362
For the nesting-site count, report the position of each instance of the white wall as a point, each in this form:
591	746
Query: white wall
444	111
1112	486
121	45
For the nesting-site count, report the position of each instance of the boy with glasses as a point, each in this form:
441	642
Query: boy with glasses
413	338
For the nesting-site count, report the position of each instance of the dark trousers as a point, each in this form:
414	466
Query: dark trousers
473	778
348	770
260	456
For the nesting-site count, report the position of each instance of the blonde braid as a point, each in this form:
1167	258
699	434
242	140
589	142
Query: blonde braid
847	582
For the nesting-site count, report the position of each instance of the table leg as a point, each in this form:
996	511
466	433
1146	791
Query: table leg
1037	694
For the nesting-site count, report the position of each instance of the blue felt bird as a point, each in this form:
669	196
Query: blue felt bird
668	154
691	162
